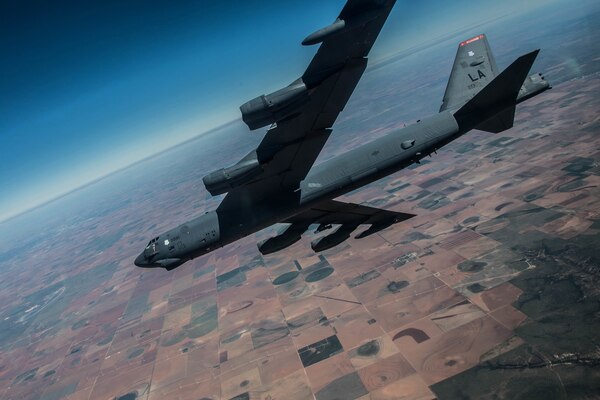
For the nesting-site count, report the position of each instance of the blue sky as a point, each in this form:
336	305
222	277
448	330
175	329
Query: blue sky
87	88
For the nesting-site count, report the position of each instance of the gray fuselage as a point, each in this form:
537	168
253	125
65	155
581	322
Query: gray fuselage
330	179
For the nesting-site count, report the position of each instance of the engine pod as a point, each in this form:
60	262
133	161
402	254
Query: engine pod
267	109
225	179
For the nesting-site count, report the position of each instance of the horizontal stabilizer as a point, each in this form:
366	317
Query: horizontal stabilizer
494	104
533	85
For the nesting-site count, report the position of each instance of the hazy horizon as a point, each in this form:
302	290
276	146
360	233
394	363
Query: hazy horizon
136	94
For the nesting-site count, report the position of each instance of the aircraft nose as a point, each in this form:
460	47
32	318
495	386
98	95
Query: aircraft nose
140	261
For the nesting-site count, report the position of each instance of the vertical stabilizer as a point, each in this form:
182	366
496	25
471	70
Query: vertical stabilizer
474	67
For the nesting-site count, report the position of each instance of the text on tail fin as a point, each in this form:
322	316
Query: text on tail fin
474	67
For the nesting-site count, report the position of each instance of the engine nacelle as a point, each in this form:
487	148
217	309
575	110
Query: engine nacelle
225	179
267	109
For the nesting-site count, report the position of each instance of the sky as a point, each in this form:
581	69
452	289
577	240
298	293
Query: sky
89	87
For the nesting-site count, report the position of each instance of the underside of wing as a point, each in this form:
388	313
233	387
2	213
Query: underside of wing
328	213
338	212
291	147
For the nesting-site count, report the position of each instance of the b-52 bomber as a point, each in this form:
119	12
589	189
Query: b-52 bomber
277	182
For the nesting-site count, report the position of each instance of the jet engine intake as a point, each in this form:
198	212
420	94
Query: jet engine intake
223	180
267	109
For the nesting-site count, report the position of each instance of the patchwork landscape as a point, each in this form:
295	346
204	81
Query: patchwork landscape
491	291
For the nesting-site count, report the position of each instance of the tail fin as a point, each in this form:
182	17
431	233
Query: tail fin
492	109
474	67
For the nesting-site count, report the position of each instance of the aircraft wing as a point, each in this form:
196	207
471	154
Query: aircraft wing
331	212
292	146
364	20
302	114
348	216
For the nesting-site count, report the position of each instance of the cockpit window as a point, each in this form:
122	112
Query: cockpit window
152	241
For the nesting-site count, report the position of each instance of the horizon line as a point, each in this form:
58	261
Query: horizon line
116	171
